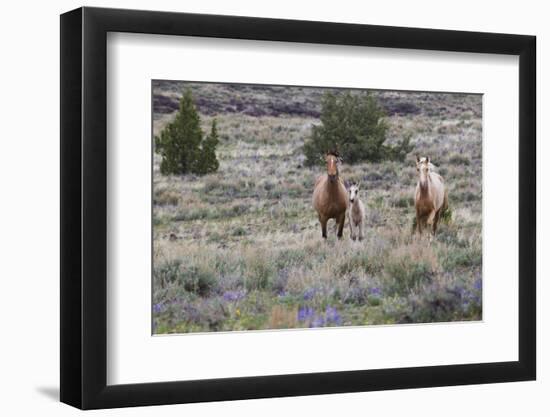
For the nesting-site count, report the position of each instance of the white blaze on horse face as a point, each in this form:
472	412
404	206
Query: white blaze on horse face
423	165
332	165
420	162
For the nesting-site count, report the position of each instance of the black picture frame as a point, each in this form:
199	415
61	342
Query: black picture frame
84	207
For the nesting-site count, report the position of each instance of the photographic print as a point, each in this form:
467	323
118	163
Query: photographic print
292	207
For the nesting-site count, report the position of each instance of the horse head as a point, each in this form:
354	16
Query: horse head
423	165
353	192
332	160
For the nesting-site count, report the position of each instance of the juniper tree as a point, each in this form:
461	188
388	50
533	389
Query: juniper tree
207	162
179	143
355	125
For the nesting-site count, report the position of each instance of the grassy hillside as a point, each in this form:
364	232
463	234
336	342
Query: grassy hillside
242	249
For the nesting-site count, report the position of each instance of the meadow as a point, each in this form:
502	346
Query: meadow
241	249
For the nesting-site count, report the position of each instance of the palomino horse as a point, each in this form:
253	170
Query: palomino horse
330	197
430	197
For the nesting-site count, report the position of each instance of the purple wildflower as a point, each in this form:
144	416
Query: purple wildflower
332	316
467	297
234	295
158	308
309	294
318	321
376	291
477	284
305	313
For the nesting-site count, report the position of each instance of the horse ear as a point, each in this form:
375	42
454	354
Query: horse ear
417	158
428	159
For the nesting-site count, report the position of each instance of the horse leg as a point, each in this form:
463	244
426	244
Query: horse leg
431	224
431	218
419	220
323	226
341	220
436	221
351	234
361	231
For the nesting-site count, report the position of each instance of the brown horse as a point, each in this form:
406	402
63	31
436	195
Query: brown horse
430	196
330	197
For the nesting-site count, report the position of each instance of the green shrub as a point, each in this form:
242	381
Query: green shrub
374	301
166	273
465	257
182	146
447	216
354	125
356	294
406	274
260	274
239	231
198	213
465	196
359	261
291	257
442	304
163	197
402	201
458	159
198	279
